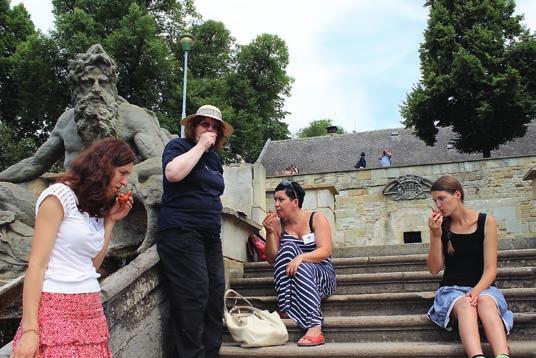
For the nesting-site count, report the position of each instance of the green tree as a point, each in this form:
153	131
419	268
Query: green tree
137	34
318	128
249	83
144	60
19	133
477	75
13	147
99	18
213	52
257	89
16	26
42	92
210	62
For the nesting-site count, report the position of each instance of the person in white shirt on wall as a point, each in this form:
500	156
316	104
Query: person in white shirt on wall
62	308
385	158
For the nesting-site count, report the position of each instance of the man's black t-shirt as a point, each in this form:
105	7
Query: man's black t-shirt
194	202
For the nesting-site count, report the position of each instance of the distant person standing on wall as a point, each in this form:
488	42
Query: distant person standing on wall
385	158
362	163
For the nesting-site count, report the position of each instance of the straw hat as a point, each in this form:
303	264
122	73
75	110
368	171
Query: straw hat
209	111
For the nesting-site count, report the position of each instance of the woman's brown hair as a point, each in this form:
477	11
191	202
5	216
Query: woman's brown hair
189	132
91	172
451	185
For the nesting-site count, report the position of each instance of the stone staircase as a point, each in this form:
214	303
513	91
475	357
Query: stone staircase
379	309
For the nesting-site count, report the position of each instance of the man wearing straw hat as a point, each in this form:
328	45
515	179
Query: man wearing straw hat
189	226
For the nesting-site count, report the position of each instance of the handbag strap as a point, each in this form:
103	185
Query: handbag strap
237	297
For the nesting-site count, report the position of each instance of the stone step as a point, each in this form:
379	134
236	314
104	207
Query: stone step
421	248
11	298
399	328
412	281
400	263
518	349
519	300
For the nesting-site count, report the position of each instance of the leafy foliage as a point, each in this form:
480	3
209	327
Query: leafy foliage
256	91
29	87
477	75
247	82
16	27
13	148
318	128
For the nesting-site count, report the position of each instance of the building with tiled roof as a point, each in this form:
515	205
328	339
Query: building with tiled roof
340	152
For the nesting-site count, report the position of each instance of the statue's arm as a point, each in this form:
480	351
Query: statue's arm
32	167
147	168
148	145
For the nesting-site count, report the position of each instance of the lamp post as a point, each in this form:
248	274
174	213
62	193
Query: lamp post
186	42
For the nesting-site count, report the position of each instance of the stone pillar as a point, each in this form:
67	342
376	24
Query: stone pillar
238	188
258	207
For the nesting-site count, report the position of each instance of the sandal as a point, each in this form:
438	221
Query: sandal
310	341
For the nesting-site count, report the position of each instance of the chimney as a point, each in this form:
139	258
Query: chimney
332	129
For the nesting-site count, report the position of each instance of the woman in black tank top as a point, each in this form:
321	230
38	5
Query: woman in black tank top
463	242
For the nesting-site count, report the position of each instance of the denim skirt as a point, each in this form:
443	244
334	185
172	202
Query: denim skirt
446	297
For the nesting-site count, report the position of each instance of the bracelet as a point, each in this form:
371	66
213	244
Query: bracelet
30	330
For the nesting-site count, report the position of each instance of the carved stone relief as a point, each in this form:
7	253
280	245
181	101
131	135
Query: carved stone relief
408	187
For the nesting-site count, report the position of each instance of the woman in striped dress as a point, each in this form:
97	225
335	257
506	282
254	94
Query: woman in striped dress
298	245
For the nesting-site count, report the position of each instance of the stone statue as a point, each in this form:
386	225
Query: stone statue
98	111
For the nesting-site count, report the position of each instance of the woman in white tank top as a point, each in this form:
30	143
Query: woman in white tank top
62	309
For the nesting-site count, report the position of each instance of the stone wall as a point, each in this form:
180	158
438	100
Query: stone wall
317	197
364	216
245	190
531	176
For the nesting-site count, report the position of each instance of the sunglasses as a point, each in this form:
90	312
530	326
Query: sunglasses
215	126
288	184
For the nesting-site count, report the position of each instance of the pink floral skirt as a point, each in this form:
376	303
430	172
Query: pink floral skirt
71	325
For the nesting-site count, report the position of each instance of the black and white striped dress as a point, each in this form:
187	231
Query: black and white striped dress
299	296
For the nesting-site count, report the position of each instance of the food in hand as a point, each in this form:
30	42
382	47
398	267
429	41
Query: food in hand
124	197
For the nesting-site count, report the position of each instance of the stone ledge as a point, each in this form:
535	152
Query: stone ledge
421	248
530	175
509	293
306	187
397	328
126	276
240	217
520	349
418	276
414	320
389	259
11	285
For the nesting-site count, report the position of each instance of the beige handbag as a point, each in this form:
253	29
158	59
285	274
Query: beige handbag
251	326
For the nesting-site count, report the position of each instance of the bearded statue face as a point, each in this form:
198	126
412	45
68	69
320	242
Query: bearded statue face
96	107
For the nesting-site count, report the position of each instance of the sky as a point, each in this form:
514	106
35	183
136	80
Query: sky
352	61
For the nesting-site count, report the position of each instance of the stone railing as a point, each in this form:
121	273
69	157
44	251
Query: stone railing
135	302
